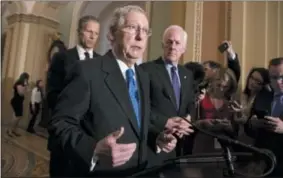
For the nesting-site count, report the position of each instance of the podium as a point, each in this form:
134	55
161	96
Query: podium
192	166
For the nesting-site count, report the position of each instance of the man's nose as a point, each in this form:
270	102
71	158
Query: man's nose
139	35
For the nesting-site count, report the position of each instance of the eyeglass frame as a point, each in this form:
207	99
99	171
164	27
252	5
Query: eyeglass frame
136	29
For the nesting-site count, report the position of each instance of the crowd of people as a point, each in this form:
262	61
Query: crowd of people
112	117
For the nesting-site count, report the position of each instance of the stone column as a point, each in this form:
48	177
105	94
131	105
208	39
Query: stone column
27	52
193	26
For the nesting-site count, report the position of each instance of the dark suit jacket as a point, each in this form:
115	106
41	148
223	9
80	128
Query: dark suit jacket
61	63
263	138
163	102
162	95
96	88
234	65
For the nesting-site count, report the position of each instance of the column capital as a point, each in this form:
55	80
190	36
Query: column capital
31	18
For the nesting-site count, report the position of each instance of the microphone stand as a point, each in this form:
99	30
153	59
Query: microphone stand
229	162
228	155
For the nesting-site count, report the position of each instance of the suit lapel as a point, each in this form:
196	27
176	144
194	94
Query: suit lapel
184	86
95	54
74	54
163	74
117	85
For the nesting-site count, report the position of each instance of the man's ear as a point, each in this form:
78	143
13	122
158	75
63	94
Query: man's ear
110	36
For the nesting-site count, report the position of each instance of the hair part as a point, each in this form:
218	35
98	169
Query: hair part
84	20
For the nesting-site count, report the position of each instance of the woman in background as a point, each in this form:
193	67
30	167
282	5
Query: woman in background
214	113
35	104
257	80
20	88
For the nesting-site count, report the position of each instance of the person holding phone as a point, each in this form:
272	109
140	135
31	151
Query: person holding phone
211	67
266	123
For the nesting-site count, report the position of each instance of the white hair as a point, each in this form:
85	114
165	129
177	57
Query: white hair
185	37
118	17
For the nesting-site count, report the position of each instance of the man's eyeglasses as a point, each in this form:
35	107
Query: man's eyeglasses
132	29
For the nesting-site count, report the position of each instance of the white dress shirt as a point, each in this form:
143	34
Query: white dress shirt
81	52
36	96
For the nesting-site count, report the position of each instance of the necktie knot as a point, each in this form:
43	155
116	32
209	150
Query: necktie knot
129	73
87	55
173	68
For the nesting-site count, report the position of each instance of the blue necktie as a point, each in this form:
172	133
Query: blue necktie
133	92
176	85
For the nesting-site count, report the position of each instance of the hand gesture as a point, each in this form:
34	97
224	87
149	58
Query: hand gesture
276	124
114	154
234	106
179	126
166	141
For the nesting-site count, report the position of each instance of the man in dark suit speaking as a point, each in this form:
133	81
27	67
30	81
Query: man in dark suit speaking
113	95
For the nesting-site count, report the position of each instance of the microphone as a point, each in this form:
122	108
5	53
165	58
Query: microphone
224	140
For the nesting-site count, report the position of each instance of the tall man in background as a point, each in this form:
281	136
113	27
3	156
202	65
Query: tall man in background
62	62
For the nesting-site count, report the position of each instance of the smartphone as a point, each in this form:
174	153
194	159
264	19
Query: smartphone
223	47
261	114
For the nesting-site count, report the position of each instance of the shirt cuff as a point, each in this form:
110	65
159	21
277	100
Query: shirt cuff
94	161
158	150
232	55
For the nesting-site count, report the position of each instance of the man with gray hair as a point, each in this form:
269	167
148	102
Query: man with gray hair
113	138
171	90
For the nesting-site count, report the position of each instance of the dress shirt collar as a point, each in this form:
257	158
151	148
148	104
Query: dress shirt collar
169	64
123	66
81	52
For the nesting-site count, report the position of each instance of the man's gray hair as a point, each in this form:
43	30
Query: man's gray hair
118	17
176	26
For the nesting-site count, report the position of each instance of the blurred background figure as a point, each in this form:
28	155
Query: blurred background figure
20	88
35	104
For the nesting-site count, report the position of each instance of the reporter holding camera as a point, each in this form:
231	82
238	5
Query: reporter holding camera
211	67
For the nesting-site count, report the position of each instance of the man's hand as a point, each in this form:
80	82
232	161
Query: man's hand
258	123
230	49
201	95
166	141
112	153
276	124
179	126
